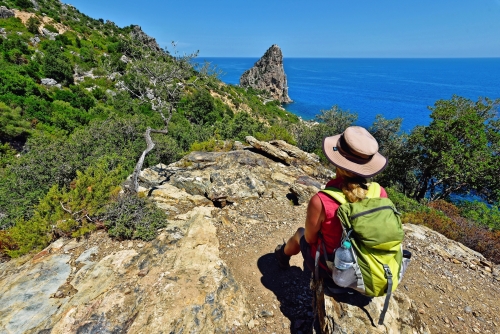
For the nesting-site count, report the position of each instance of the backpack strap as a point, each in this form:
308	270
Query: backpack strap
373	192
388	275
336	194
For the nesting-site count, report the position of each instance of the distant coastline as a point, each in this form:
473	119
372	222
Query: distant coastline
393	87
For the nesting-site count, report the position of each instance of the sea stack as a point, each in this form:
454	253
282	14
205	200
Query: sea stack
268	74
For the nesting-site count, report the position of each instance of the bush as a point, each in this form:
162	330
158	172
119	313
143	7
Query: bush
65	117
211	145
51	28
7	154
275	133
13	125
33	24
435	220
458	228
63	38
132	217
50	159
481	214
6	244
68	212
404	204
56	65
24	4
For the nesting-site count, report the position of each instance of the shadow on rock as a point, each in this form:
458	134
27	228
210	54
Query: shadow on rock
353	298
292	289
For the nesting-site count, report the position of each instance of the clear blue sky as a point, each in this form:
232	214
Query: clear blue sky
322	28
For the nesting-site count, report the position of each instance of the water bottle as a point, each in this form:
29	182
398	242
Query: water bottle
344	274
343	256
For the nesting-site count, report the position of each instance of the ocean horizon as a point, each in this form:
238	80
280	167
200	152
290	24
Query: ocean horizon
392	87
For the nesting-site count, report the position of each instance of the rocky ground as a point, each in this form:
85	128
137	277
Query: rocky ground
453	292
212	269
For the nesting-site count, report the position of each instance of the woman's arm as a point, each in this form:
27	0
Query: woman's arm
314	219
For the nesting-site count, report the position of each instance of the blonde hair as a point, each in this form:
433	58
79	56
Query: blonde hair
353	186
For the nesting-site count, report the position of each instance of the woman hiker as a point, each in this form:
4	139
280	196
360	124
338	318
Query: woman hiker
355	156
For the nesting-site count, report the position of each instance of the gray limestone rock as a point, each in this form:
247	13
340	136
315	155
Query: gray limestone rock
50	35
150	289
35	40
36	6
355	313
268	74
48	82
141	36
234	186
269	149
5	13
302	192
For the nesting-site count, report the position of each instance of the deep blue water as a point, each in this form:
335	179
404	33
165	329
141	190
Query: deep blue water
391	87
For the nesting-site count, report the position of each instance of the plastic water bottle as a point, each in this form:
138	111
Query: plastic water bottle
343	256
344	274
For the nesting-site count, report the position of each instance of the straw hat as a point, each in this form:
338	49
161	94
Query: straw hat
356	151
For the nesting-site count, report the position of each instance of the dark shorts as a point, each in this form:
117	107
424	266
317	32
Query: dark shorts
305	249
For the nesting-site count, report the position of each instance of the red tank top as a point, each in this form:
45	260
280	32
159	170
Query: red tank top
331	228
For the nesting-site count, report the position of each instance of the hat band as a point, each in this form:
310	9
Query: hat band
344	149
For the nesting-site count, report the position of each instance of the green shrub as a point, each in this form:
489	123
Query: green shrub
405	204
65	117
13	81
24	4
27	236
7	153
275	133
56	64
211	145
481	213
132	217
68	212
51	28
12	124
63	38
33	24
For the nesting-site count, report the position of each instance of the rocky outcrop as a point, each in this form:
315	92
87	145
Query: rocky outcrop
5	13
49	34
178	283
268	74
49	82
138	34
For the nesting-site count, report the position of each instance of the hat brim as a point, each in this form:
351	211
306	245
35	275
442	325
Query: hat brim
371	168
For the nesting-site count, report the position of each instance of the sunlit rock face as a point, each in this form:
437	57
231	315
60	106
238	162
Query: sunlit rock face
268	74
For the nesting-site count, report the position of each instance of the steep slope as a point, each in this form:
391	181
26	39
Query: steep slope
63	82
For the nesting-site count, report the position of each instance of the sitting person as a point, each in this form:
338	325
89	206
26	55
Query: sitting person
355	156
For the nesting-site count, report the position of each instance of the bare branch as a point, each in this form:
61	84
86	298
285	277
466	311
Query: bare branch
158	78
67	210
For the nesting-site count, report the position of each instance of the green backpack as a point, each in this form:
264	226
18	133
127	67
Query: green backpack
374	228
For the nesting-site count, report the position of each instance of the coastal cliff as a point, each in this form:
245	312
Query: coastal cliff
268	74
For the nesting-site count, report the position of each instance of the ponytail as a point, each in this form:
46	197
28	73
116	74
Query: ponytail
353	186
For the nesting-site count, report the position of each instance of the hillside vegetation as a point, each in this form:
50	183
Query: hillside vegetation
68	144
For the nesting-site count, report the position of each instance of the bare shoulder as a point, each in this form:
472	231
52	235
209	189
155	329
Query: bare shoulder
315	204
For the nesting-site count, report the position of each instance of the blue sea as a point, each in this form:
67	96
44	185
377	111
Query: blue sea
391	87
